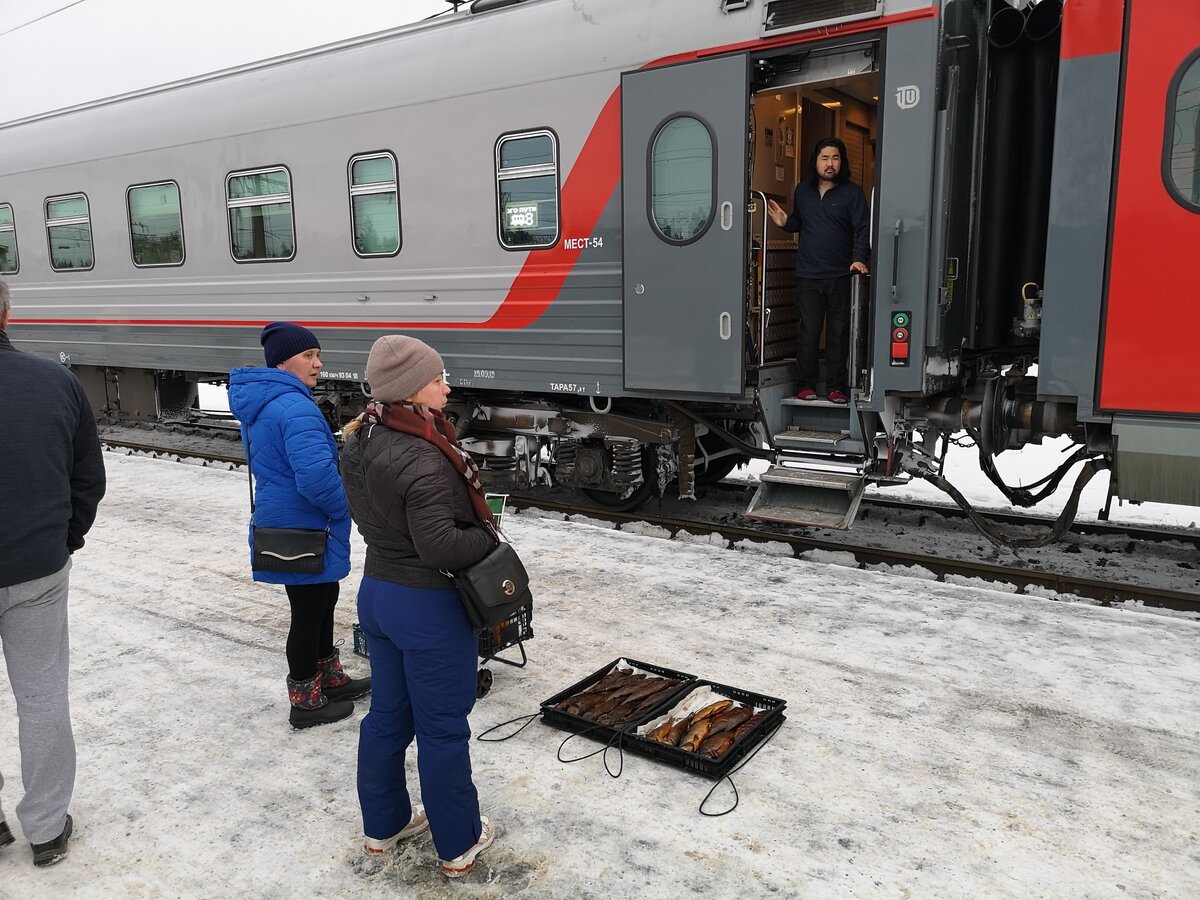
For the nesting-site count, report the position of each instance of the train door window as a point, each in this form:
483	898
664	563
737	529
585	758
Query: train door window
682	180
155	224
261	228
1181	151
527	189
375	205
69	231
9	262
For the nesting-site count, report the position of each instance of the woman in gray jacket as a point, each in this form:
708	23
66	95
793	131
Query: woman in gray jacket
415	496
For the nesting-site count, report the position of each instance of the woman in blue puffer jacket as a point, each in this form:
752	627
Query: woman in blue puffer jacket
294	461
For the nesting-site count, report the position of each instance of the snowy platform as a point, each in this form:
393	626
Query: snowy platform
942	740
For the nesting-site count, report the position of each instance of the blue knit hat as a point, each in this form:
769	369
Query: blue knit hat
283	340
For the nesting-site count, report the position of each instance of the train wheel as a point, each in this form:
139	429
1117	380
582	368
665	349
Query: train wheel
718	468
636	498
483	683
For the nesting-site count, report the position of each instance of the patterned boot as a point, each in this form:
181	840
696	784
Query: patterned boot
336	683
311	707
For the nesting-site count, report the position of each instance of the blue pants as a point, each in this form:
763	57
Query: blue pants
423	672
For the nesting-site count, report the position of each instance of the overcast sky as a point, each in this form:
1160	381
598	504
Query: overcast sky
58	53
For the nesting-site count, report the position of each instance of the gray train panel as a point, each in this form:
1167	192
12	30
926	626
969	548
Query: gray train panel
1076	246
901	277
685	238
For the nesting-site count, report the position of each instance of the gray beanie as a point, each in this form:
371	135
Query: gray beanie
399	366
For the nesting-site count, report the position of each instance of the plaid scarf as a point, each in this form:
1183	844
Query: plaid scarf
433	427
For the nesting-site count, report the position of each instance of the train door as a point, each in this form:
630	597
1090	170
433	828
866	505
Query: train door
800	97
683	149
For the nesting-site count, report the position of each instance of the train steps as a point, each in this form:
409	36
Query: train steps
818	479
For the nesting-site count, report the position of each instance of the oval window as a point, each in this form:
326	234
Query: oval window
1181	157
682	179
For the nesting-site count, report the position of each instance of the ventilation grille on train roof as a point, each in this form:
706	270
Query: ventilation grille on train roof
793	15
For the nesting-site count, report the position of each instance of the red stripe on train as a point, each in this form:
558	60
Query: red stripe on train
1091	27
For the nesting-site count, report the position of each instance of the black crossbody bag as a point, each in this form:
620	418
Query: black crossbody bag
494	588
300	551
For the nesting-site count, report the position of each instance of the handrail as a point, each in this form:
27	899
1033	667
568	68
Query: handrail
762	280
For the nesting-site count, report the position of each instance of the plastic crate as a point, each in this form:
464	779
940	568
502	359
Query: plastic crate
360	642
561	719
716	768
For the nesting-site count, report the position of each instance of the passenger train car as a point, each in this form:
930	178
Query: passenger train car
568	199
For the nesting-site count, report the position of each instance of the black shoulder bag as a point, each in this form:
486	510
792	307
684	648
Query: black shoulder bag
300	551
494	588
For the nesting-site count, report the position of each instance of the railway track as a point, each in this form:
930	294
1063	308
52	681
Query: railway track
1021	578
1105	591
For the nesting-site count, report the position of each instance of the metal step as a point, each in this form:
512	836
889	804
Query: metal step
817	440
806	496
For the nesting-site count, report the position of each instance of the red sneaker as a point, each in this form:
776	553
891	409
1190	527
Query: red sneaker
839	398
806	394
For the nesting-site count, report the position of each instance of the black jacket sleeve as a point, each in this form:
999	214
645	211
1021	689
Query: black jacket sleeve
860	220
441	542
87	473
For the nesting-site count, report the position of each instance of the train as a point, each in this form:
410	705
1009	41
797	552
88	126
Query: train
567	198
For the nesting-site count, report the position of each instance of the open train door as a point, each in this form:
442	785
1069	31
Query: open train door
683	153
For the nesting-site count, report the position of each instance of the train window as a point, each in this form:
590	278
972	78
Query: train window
527	189
261	227
1181	150
9	261
682	180
375	205
155	224
69	230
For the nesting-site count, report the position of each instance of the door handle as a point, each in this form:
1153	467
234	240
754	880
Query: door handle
726	215
725	326
896	258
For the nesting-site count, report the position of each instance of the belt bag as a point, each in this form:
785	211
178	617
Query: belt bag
297	550
494	588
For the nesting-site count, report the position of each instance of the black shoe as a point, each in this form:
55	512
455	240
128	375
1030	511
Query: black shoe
49	853
6	835
351	690
333	711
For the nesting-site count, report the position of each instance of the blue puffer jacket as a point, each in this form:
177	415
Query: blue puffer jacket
295	464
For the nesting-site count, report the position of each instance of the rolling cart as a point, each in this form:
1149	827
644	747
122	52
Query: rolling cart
513	632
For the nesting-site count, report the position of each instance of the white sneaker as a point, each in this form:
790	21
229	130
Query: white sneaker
461	865
417	824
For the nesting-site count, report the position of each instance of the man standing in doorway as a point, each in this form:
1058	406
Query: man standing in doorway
830	213
51	481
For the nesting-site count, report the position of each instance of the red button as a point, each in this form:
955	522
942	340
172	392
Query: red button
899	350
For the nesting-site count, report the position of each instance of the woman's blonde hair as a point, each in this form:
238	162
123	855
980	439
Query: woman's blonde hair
358	421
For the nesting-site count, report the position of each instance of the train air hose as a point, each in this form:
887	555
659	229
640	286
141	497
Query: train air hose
1061	525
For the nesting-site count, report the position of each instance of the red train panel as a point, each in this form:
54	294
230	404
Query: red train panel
1153	313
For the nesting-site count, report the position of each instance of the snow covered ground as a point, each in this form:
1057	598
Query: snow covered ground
942	740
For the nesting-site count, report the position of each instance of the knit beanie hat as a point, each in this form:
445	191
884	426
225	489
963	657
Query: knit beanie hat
283	340
399	366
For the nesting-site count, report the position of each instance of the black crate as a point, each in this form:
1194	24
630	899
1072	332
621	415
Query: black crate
716	768
360	641
605	733
508	633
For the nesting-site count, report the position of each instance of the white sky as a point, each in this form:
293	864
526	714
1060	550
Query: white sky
58	53
943	740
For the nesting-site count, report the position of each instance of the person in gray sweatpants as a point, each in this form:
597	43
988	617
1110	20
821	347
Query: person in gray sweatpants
51	481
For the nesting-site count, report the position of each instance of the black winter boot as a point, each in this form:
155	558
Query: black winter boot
336	684
311	707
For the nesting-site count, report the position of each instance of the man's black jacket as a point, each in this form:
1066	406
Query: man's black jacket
51	468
